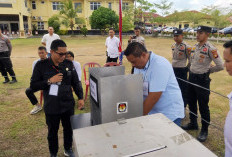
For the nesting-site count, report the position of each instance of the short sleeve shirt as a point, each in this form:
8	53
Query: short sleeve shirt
160	76
48	39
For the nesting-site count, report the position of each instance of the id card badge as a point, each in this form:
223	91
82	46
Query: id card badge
145	89
53	89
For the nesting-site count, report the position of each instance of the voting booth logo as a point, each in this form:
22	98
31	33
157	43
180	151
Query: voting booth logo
122	107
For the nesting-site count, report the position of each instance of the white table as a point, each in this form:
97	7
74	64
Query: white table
138	135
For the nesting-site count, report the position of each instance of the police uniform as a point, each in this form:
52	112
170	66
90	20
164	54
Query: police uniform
200	69
180	55
138	39
5	61
57	106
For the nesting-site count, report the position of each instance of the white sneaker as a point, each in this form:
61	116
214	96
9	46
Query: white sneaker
36	109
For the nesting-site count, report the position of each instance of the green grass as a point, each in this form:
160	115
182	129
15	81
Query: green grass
22	134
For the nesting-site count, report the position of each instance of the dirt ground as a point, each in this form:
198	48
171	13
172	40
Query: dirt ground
24	135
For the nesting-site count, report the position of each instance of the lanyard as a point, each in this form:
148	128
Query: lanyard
53	66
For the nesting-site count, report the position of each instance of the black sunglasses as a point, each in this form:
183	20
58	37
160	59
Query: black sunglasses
61	54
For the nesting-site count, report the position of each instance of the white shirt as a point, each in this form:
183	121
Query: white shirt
77	67
48	39
34	63
112	45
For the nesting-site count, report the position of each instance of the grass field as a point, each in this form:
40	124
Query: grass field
24	135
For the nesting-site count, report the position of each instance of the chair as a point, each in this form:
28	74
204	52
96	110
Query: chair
41	97
89	65
110	64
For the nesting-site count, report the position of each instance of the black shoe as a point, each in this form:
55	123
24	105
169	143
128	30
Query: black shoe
69	153
6	80
202	136
53	155
190	126
13	80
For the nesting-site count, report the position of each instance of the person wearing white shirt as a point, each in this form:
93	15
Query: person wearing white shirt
30	92
112	45
228	124
49	38
77	65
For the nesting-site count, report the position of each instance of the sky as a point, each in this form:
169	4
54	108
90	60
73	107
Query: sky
195	4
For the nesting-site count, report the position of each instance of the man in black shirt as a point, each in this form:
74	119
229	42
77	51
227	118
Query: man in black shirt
56	77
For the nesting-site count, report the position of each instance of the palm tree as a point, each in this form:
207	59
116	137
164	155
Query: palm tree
69	14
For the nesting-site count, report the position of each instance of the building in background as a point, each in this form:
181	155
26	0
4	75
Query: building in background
18	16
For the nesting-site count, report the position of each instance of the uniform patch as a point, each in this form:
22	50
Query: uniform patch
215	54
205	49
202	56
181	53
182	47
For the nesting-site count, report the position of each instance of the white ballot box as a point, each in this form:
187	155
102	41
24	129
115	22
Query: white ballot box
146	136
114	95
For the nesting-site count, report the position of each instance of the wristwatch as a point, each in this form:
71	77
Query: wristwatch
49	82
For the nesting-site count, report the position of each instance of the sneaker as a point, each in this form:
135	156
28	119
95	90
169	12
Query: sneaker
36	109
69	153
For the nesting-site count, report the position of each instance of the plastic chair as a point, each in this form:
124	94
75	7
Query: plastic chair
110	64
41	97
89	65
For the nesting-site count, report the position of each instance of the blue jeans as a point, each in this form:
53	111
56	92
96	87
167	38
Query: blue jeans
178	121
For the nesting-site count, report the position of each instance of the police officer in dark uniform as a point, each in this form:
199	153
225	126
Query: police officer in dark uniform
5	61
180	55
201	57
56	77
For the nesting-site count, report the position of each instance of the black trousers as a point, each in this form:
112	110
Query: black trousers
6	64
201	96
111	59
53	122
182	73
31	96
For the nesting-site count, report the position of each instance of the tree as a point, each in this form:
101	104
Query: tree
194	17
164	6
69	14
103	18
54	22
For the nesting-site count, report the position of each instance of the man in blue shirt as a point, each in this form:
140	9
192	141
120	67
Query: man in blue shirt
160	88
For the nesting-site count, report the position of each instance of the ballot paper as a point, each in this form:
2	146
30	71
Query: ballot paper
145	89
53	90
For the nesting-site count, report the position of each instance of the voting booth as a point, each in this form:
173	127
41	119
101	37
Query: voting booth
114	95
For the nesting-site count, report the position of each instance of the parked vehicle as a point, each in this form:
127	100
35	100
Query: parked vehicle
214	30
228	30
170	29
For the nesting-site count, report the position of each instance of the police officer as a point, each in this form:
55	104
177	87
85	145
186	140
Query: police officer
5	61
136	38
201	57
56	77
181	53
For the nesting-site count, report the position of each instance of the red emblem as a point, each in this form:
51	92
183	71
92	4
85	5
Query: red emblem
205	49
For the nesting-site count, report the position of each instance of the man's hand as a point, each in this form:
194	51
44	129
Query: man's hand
81	104
130	38
56	78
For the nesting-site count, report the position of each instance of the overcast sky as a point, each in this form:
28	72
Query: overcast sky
196	4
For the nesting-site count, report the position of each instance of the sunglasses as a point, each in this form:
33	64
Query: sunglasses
61	54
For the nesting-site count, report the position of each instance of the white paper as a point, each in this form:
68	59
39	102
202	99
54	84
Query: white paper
53	90
93	89
145	88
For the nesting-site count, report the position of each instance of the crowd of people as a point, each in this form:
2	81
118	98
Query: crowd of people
168	88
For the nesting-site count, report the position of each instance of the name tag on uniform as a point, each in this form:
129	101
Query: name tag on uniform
53	90
145	88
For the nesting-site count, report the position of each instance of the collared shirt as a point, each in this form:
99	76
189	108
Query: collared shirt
64	101
138	39
180	53
160	76
77	67
227	130
5	44
48	39
201	58
112	45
